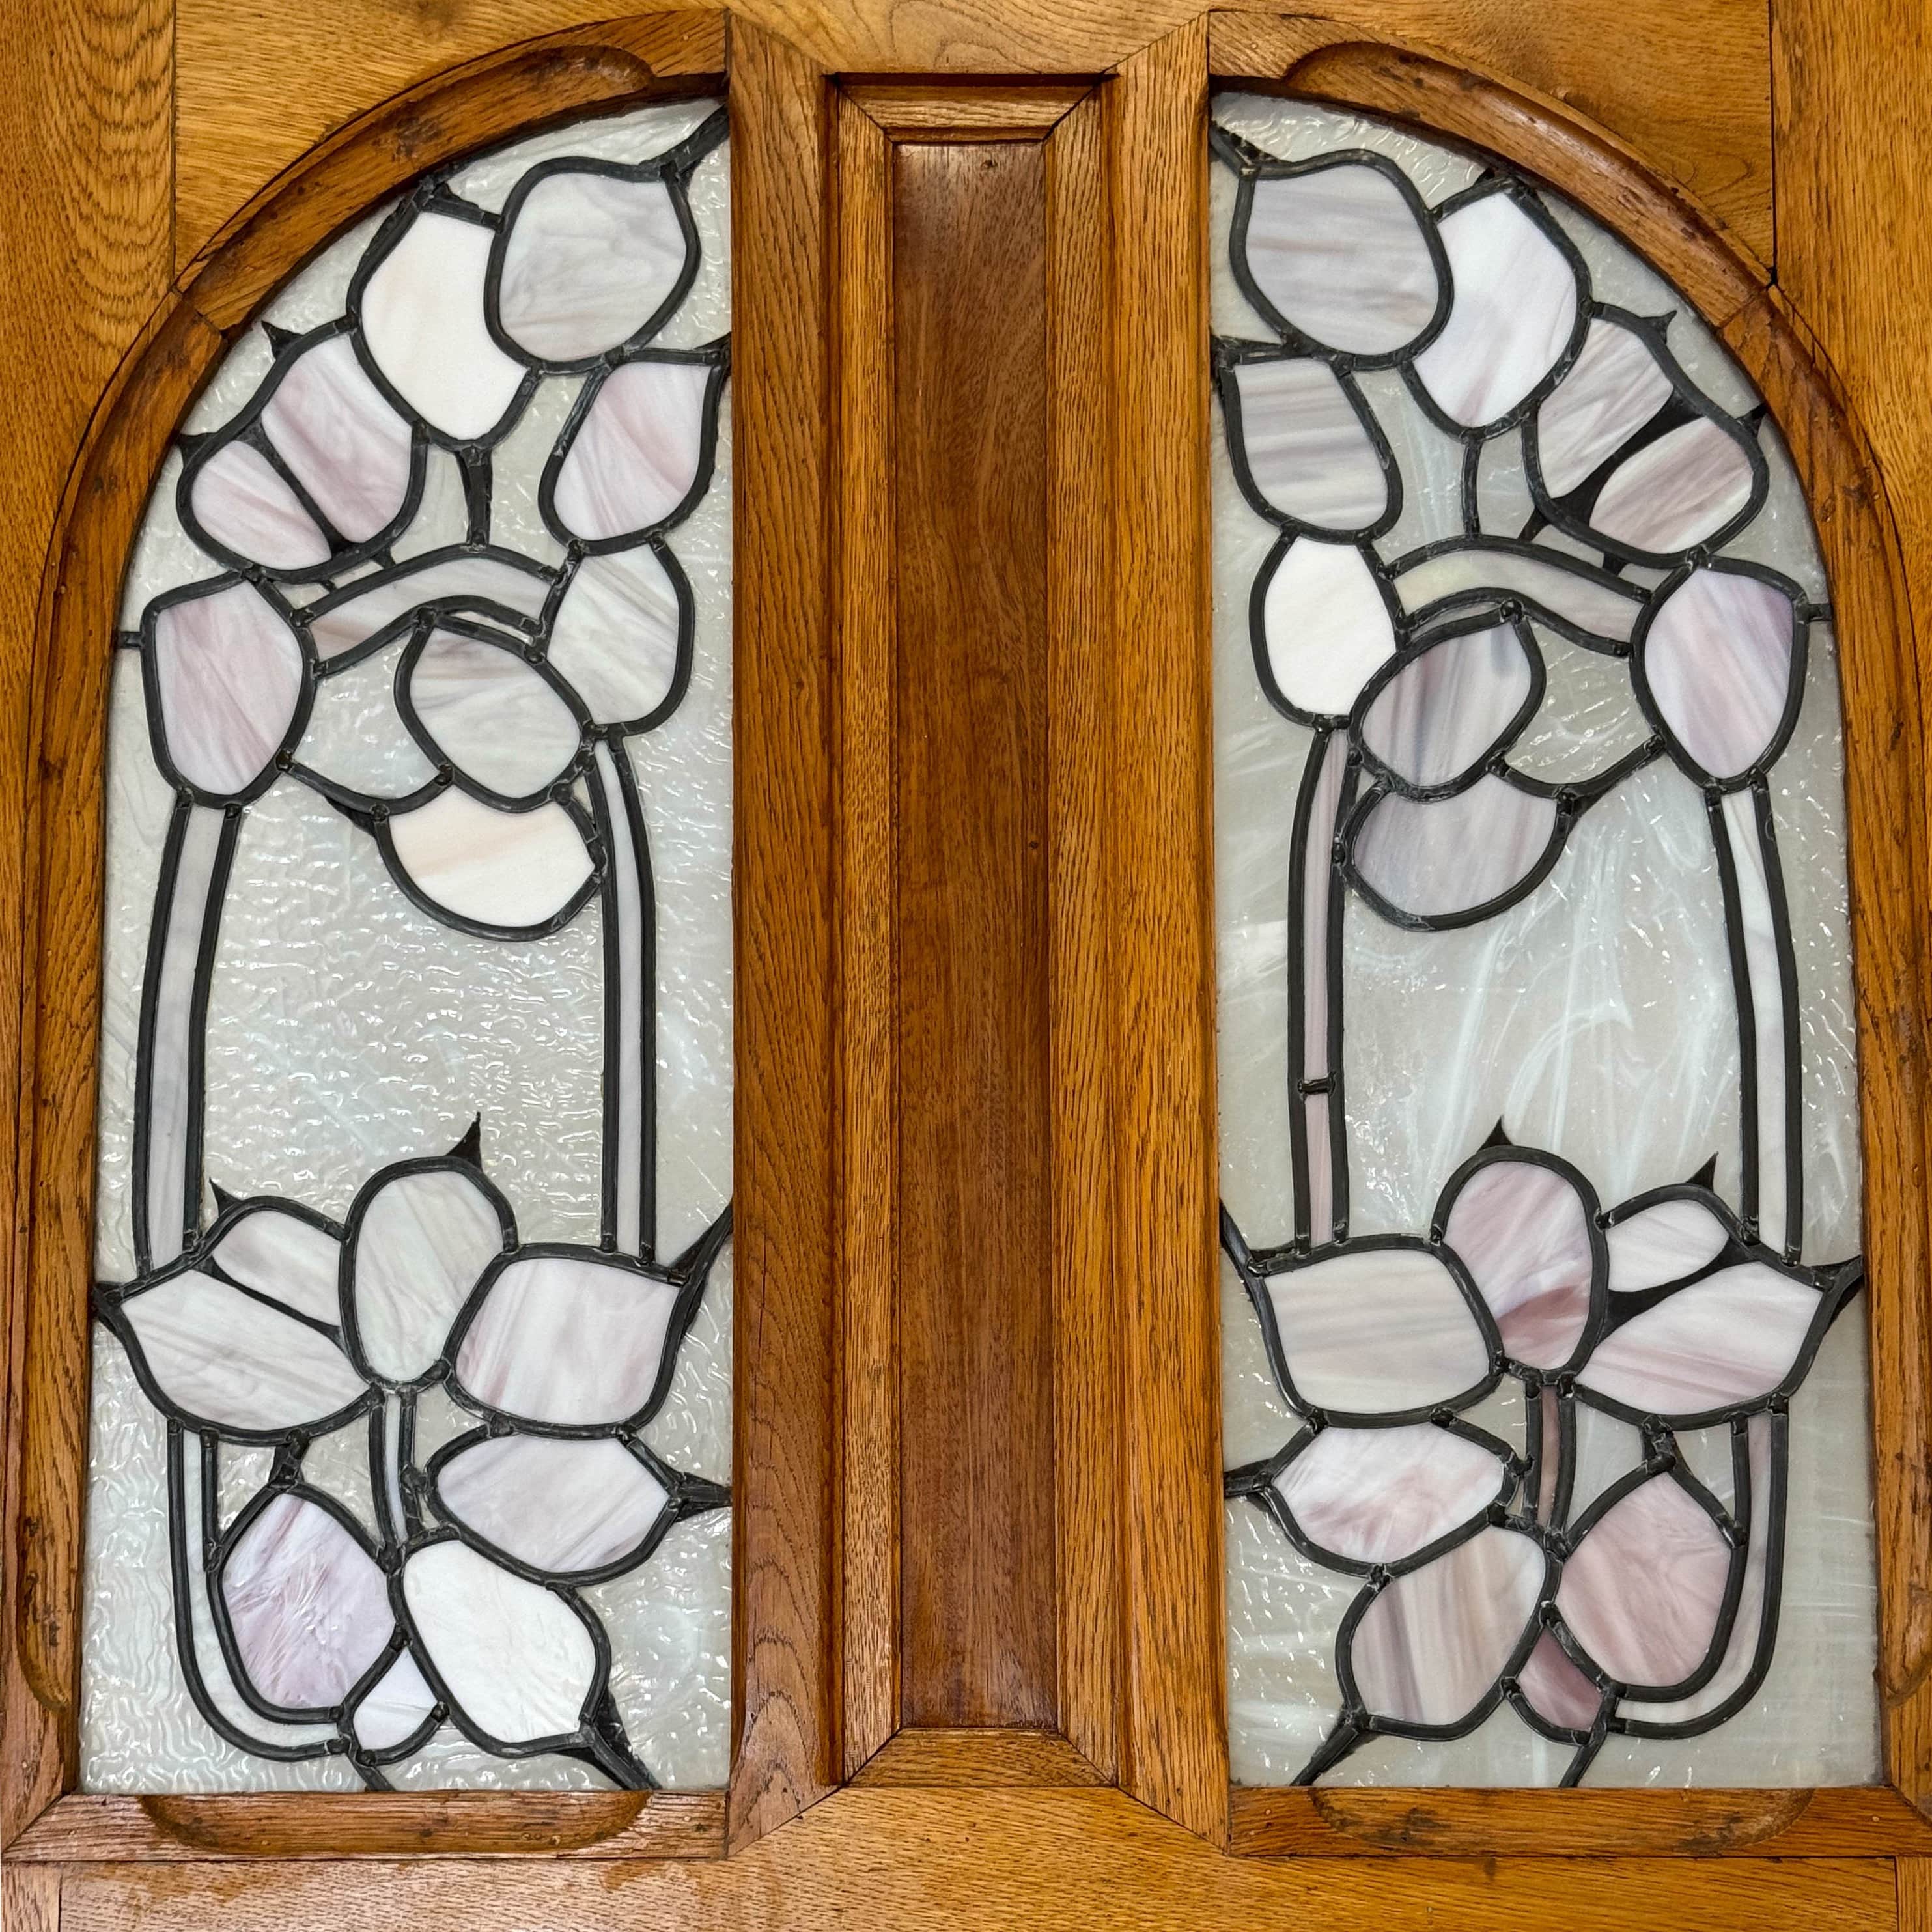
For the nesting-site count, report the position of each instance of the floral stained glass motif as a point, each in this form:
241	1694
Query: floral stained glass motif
1545	1406
408	1463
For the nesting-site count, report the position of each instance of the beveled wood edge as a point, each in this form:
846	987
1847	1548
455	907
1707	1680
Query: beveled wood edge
1342	1821
952	1759
328	1824
1010	109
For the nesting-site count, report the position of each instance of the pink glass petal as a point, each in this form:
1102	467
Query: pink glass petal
394	1707
423	1240
1730	1338
1614	387
1556	1689
1643	1591
309	1606
1718	661
282	1254
1436	858
341	440
568	1339
614	638
1306	449
1327	630
1377	1331
512	870
1377	1496
245	504
555	1504
634	456
1447	706
1676	491
1522	1230
1429	1649
1663	1244
491	715
448	583
229	674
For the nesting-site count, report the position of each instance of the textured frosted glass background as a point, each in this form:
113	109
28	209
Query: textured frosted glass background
1597	1017
346	1029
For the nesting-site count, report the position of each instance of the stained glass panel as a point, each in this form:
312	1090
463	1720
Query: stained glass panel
410	1429
1545	1387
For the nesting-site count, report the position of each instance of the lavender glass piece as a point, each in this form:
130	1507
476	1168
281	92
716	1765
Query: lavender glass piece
1429	1649
569	1507
516	1657
341	440
616	637
1307	453
1513	315
226	683
1338	253
395	1707
1556	1689
568	1338
421	310
634	459
219	1356
480	707
1717	667
1378	1330
245	505
1523	1229
511	872
1689	485
629	930
1378	1495
1318	891
1663	1244
588	259
1614	387
1325	625
1730	1338
1444	860
1480	572
418	1242
286	1255
1642	1589
308	1606
1448	706
496	584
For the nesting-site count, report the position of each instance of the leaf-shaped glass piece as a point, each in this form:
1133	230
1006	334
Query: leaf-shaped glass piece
637	454
1522	1229
473	701
1663	1242
244	510
569	1337
568	1506
1339	253
1644	1585
1556	1689
1451	861
493	583
341	439
284	1254
1430	1647
1614	387
1377	1330
511	874
1378	1495
1323	625
210	1353
308	1606
395	1707
1302	449
418	1240
418	301
588	261
621	635
1690	484
1578	600
1512	314
1433	720
516	1657
1728	1340
227	686
1718	667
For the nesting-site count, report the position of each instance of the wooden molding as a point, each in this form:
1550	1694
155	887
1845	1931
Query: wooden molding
950	112
981	1758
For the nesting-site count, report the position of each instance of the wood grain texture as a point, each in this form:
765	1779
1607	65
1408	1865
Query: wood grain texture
935	111
1339	1822
526	1824
30	1898
975	1861
977	1758
1915	1895
868	1503
784	1155
1174	1753
978	1637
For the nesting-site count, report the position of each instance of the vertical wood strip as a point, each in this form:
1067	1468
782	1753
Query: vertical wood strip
782	1599
30	1898
1915	1895
977	1566
1080	629
1175	1755
868	1378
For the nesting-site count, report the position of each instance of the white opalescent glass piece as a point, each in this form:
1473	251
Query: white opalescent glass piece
371	1037
1308	455
1534	985
634	456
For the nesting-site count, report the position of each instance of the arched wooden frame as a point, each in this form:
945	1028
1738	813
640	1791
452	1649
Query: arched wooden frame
797	1699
